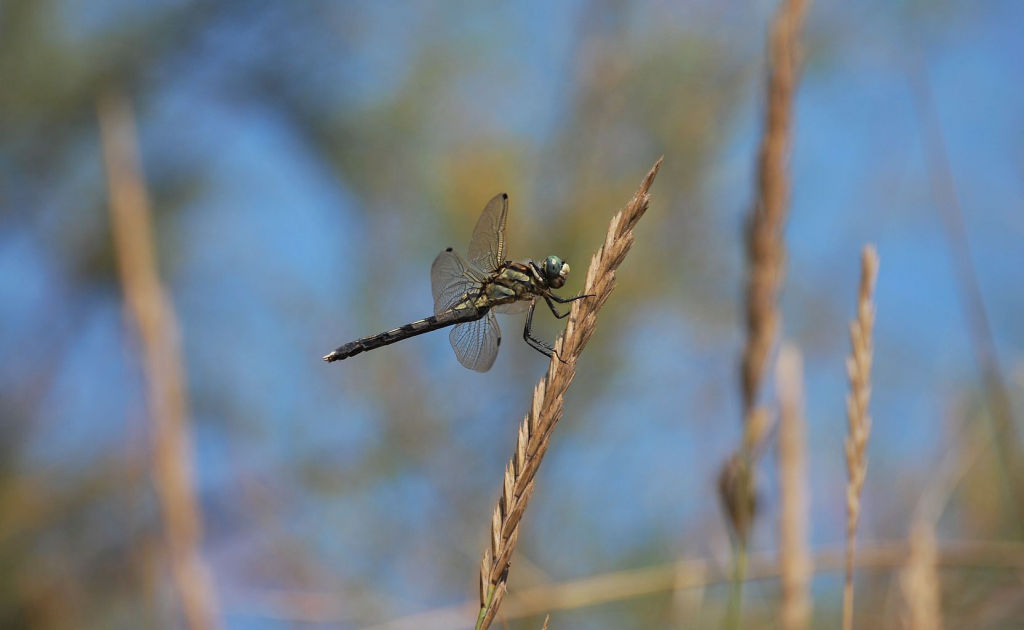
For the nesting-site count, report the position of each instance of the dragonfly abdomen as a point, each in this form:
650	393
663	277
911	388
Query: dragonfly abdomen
418	327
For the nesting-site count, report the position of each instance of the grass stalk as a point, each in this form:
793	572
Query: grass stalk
990	556
1002	422
858	367
149	306
919	580
548	397
794	551
765	246
765	251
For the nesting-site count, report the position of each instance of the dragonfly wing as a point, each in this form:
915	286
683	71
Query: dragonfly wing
487	247
451	280
476	342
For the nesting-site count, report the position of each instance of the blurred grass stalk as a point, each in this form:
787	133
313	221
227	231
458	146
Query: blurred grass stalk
766	270
1003	423
858	366
919	580
794	551
148	305
548	397
690	573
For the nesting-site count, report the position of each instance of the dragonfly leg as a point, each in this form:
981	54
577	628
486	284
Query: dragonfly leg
554	311
552	296
562	300
532	341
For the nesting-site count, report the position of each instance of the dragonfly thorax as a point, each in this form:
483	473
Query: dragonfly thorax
515	281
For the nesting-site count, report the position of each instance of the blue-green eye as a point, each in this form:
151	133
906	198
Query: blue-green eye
552	267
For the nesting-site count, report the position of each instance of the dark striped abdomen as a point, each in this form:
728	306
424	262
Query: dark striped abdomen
448	318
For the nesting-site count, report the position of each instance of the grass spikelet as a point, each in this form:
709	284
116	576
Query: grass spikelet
765	249
548	398
858	366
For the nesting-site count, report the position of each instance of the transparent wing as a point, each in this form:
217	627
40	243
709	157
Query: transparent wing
513	307
476	342
487	247
450	280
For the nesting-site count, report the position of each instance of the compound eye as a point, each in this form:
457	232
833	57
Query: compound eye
552	267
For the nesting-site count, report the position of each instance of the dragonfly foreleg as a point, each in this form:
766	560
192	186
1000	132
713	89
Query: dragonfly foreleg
554	311
562	300
551	296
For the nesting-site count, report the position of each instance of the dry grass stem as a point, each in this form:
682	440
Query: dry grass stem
1006	436
765	247
919	581
765	251
158	330
686	574
858	366
794	552
547	618
546	409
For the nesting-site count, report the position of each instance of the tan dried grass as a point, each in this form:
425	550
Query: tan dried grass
766	253
919	580
766	249
858	366
546	409
794	552
151	309
685	574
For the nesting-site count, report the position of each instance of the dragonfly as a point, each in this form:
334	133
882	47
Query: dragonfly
468	292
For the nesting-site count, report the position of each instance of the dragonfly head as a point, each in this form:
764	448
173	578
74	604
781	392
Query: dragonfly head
555	271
